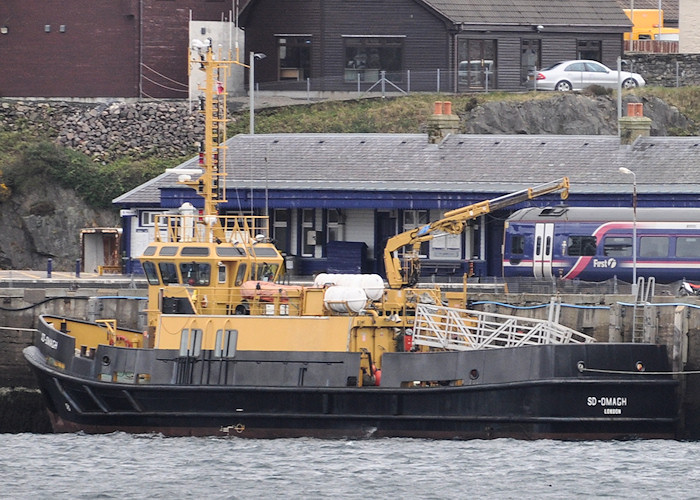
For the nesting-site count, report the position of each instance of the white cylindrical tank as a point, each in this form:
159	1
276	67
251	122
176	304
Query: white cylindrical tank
372	284
345	299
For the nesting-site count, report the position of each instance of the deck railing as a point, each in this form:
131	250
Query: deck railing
461	330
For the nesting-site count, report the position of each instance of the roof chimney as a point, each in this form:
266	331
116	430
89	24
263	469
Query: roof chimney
635	124
442	122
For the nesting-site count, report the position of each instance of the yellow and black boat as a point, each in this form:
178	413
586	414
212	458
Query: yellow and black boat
230	350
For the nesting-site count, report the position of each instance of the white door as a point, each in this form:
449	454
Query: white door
542	253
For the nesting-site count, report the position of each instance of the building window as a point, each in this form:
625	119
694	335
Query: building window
367	57
589	49
530	59
308	231
148	218
280	229
294	57
335	225
413	219
477	64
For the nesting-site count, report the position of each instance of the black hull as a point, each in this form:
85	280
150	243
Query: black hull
573	407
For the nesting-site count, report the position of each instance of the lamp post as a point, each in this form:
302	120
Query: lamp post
251	88
627	171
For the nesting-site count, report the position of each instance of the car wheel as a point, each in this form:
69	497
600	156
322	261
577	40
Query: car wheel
629	83
563	86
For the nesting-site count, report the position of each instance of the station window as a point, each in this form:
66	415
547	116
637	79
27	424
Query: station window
335	225
280	229
581	246
309	232
413	219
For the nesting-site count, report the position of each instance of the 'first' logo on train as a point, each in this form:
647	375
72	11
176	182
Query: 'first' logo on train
605	263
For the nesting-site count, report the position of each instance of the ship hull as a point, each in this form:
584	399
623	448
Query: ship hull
526	403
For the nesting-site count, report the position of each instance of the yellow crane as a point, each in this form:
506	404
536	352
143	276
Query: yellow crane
402	274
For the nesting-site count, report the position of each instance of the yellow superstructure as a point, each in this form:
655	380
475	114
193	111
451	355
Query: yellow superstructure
648	24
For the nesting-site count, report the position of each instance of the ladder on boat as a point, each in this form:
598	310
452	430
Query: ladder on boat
462	329
644	291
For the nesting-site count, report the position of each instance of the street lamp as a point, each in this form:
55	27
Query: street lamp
627	171
251	86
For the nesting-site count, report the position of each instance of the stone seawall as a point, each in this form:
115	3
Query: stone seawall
666	70
106	131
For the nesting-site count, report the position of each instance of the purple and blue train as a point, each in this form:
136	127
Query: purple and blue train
596	244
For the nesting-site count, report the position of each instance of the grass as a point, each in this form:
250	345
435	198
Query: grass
27	157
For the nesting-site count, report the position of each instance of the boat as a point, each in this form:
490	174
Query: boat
231	350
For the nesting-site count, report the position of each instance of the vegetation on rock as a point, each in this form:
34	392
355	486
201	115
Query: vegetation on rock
30	154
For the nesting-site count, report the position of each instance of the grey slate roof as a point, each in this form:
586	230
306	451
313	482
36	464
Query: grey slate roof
532	12
461	163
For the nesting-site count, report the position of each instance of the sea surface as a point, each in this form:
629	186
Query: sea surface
78	466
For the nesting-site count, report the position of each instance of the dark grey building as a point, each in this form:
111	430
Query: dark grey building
445	45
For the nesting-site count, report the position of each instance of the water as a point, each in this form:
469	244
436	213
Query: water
120	466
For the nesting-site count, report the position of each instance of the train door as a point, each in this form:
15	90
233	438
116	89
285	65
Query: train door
542	251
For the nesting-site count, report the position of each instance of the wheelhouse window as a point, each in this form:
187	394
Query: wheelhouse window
195	273
589	49
477	64
149	268
367	57
294	53
168	272
581	246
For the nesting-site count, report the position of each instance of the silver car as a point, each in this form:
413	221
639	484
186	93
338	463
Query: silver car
577	75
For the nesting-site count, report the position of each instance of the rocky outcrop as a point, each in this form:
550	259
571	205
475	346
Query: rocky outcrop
29	237
568	114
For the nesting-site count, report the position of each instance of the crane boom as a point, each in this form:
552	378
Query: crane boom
453	222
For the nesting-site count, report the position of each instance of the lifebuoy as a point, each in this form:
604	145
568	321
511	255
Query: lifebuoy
126	341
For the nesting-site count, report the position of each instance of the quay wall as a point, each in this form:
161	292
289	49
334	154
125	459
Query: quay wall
668	320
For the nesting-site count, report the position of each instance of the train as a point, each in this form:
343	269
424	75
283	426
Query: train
597	243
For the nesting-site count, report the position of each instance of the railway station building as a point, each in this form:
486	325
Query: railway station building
334	199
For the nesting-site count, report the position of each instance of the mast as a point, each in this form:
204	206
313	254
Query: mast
212	151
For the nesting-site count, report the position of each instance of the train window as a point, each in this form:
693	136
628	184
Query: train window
617	246
581	246
653	246
687	246
517	244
